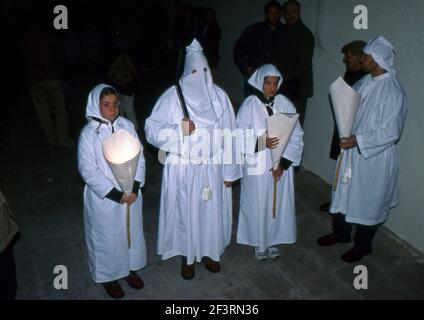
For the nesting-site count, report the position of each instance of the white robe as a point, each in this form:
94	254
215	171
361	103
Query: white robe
105	220
188	225
256	226
367	197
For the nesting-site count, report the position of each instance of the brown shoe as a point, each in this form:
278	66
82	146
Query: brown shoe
355	254
114	290
211	265
329	240
134	280
187	271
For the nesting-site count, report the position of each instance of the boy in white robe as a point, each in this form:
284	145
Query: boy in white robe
368	182
195	216
257	227
105	206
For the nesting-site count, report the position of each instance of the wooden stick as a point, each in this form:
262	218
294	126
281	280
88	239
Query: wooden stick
339	165
128	227
274	200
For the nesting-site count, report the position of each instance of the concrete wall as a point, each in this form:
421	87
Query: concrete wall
332	24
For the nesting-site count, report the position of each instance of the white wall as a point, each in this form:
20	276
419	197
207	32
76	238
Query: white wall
400	21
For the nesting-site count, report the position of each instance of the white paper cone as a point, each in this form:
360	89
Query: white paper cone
122	152
281	126
345	105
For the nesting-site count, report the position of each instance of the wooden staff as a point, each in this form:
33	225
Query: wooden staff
274	200
339	164
128	227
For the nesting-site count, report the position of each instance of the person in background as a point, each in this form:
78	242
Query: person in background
9	234
293	58
257	44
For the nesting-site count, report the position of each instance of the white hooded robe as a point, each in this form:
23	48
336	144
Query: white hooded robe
256	226
188	225
368	195
105	220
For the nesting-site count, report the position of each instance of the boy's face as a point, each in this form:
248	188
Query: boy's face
109	107
270	86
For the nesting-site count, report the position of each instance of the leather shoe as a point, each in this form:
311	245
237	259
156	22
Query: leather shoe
187	271
329	240
211	265
325	207
114	290
355	254
134	280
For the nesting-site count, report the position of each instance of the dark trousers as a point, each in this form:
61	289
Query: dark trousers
8	283
363	235
300	105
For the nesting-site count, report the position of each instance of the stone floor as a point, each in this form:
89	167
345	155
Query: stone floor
44	190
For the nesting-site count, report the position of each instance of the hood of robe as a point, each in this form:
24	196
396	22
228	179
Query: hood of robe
258	77
198	89
93	103
382	52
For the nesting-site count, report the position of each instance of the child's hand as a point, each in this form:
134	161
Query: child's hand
228	184
277	173
272	143
129	200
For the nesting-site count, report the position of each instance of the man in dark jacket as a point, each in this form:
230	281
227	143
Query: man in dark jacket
257	44
294	58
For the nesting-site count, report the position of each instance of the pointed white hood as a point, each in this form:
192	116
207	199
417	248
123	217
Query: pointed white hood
257	78
198	88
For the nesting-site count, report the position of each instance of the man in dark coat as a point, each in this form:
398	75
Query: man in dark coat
294	58
257	44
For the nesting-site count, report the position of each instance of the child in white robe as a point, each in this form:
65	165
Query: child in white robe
257	227
105	206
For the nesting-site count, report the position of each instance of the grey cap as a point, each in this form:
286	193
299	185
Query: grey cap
356	46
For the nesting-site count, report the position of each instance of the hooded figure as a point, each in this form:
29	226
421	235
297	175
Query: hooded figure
195	217
104	214
369	189
256	224
382	52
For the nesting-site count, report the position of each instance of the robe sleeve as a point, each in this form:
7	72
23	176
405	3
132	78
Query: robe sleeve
294	149
232	171
389	129
95	179
250	145
163	127
140	174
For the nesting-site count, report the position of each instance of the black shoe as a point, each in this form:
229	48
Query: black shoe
134	280
325	207
212	265
114	290
355	254
330	239
187	271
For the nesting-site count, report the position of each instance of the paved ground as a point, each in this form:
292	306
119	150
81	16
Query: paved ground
44	190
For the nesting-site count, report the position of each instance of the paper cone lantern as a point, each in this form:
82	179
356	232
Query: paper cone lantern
345	105
281	126
122	152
